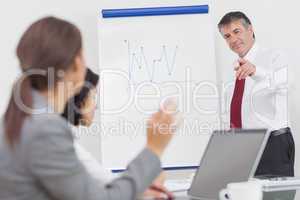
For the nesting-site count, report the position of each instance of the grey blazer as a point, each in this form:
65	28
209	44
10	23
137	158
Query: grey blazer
44	165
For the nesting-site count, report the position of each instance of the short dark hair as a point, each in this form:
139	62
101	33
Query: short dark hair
234	16
72	109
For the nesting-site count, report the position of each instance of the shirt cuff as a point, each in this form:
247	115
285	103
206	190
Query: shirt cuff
259	74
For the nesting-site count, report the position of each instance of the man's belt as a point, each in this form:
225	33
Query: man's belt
281	131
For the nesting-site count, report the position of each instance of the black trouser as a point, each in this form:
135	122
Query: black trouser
279	155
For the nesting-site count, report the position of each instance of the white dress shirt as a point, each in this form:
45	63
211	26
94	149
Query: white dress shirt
94	168
265	98
92	165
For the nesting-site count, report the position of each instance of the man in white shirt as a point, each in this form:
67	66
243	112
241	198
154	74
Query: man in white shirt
259	98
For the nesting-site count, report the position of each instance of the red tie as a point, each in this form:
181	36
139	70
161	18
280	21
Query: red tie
236	104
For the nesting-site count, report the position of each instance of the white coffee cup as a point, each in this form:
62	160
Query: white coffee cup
242	191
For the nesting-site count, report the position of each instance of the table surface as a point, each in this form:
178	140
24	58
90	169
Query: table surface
185	174
283	195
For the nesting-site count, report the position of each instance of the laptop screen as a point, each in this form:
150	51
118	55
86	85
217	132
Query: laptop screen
230	156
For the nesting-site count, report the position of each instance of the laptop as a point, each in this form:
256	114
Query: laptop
230	156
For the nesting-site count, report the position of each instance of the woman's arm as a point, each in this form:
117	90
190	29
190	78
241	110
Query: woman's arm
55	165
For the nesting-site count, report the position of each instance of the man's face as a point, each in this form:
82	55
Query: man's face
238	37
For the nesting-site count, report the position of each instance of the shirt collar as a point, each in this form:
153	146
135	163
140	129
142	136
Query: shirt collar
252	52
40	104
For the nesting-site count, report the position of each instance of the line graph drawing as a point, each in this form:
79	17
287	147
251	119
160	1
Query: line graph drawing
137	60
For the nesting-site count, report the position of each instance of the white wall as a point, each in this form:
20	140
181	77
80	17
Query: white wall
275	23
16	16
